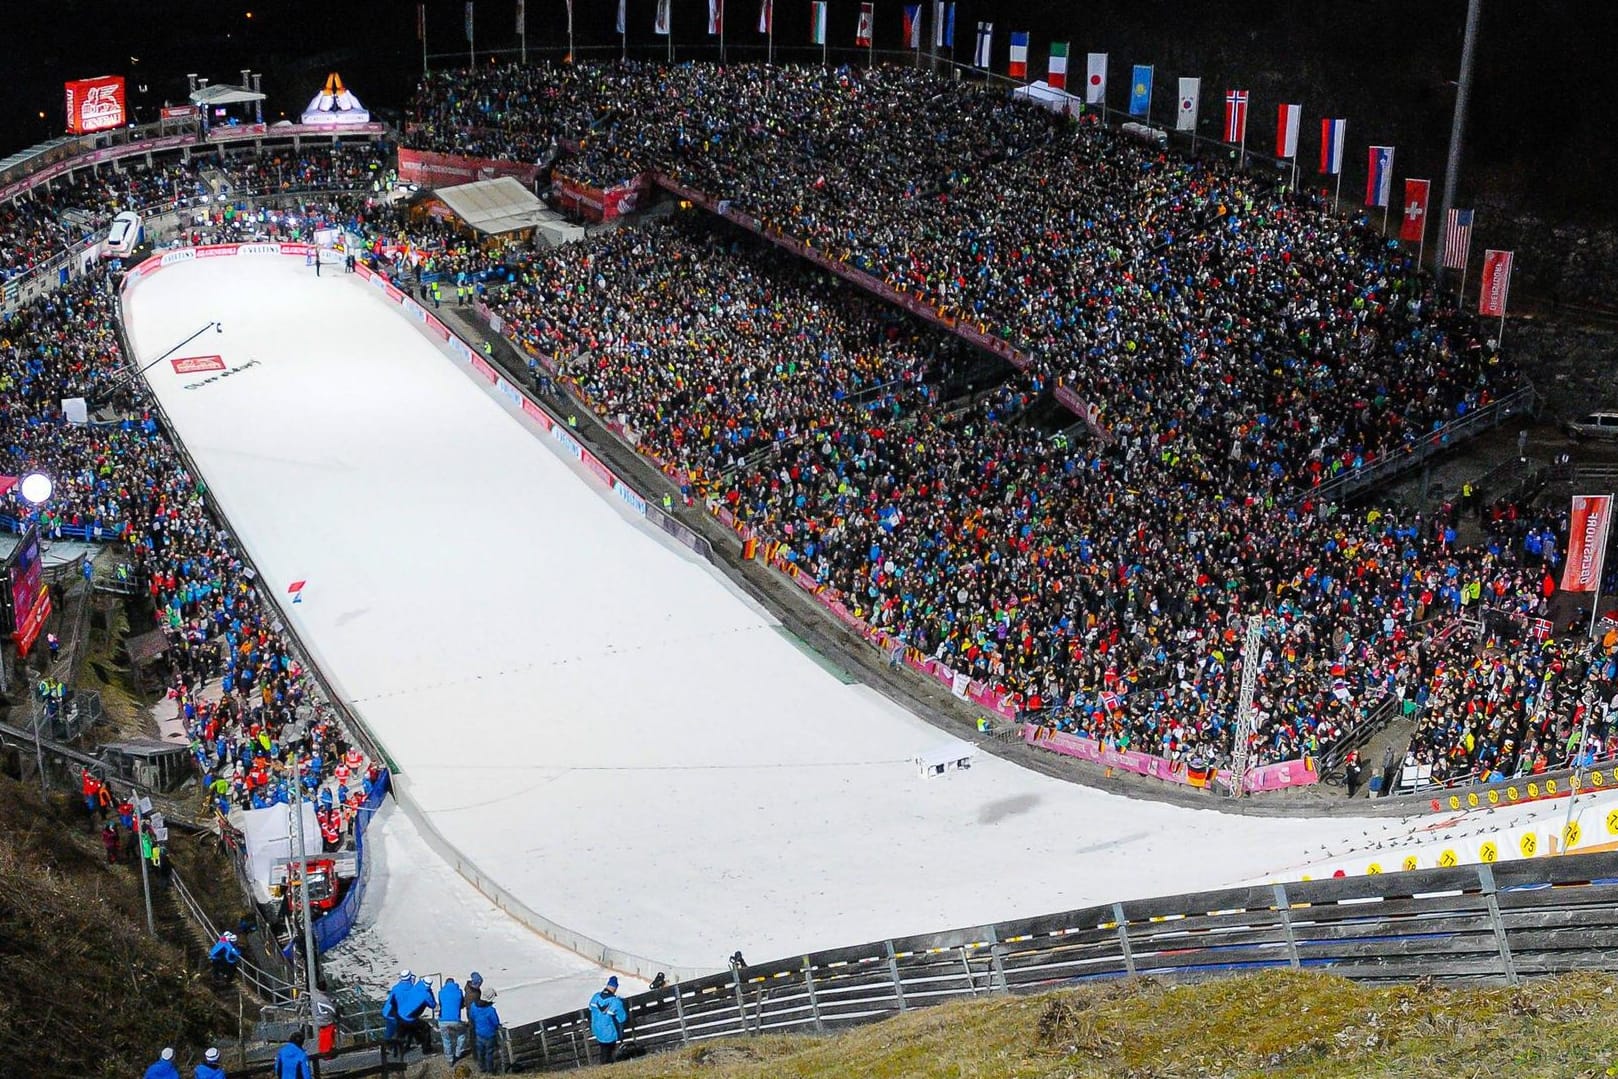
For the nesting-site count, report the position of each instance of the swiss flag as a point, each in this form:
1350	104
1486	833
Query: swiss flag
1414	225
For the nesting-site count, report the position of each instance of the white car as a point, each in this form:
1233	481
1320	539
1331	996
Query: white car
1594	425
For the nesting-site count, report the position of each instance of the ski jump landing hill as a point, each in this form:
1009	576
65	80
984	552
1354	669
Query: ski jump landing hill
587	720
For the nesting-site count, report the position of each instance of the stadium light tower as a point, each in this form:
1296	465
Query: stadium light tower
36	489
1457	129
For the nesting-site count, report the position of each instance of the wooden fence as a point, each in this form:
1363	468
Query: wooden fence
1478	924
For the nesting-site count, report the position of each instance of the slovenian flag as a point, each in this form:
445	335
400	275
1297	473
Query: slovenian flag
1018	68
1379	176
1332	133
1057	78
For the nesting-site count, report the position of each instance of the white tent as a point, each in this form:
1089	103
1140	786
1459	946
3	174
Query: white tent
496	206
335	104
267	834
1058	101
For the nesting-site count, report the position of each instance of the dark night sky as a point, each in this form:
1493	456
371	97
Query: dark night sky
1544	68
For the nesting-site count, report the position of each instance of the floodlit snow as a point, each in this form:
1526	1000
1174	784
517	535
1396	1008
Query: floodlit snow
597	720
419	913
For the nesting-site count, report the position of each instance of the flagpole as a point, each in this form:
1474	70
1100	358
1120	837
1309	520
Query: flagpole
721	31
1241	162
1460	298
522	30
471	44
1337	196
421	25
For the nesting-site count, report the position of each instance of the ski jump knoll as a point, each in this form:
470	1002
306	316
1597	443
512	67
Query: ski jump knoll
595	719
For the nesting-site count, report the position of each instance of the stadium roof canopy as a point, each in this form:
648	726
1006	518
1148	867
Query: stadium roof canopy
496	206
220	94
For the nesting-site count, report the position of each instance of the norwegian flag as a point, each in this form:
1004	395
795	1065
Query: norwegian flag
1457	239
1540	628
1109	700
1236	116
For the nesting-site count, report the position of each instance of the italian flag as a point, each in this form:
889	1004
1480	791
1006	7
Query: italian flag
1058	71
817	22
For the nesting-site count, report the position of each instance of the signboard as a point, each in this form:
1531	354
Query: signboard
179	112
95	104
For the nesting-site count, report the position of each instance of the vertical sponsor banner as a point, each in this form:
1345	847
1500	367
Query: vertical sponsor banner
1496	284
1587	536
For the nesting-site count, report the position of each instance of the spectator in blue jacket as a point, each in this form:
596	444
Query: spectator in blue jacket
416	1012
607	1018
392	1008
451	1028
292	1062
209	1068
224	956
486	1027
163	1067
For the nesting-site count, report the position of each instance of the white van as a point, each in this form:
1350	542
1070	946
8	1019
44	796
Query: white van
125	235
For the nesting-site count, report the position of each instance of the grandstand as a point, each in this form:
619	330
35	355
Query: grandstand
1042	416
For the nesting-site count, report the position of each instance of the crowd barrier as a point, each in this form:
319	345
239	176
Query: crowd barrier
334	928
1264	777
431	169
1473	925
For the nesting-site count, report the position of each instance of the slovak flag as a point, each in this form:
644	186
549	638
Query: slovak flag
1286	131
766	16
1018	68
716	16
1379	176
1095	82
1236	116
1332	133
913	25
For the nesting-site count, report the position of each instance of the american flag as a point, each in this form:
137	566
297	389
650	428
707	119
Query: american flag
1457	239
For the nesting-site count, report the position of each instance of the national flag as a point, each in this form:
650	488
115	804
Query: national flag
1496	283
867	23
1414	225
622	25
1379	176
1018	68
1236	116
1286	131
661	24
817	22
468	22
1109	700
1140	90
421	22
913	25
1095	81
1457	239
1587	535
1540	628
1056	73
766	16
943	25
1332	133
716	17
981	56
949	29
1190	99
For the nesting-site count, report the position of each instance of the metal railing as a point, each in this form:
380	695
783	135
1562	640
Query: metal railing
1405	458
269	988
1482	924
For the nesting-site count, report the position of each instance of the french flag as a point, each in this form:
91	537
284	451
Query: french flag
1332	134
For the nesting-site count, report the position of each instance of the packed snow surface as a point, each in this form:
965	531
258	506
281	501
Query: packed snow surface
596	719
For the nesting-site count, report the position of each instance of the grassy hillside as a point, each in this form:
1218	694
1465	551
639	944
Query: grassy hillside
1270	1025
84	992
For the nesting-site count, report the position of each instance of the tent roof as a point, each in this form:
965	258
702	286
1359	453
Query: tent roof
220	94
496	206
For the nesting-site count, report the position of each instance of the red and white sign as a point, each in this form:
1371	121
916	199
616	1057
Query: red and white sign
190	365
1496	284
1587	538
178	112
95	104
1414	227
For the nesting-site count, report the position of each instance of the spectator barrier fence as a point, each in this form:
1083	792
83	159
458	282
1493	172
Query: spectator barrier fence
1480	925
